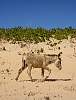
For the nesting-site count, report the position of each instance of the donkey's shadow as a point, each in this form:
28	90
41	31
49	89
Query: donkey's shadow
58	79
49	80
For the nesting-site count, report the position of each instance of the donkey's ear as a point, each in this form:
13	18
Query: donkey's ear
59	54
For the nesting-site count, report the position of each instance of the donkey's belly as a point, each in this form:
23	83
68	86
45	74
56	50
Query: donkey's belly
37	64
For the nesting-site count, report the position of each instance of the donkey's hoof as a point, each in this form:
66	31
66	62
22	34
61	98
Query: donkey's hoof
16	79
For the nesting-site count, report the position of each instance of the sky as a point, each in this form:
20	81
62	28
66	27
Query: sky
38	13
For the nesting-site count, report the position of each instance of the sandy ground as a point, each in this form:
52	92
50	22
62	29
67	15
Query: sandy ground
61	85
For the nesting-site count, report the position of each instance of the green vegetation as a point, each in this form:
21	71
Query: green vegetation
35	34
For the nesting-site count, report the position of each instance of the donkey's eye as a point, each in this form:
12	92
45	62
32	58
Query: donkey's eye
50	62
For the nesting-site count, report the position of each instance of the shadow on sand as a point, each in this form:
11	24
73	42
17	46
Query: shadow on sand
49	80
58	79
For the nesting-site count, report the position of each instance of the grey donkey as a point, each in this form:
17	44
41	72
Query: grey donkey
39	61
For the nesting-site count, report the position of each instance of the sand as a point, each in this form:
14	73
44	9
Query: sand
61	85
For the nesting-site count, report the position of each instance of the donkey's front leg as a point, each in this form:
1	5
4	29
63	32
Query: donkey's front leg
49	70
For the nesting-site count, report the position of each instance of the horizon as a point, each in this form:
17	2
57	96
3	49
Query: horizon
38	13
24	27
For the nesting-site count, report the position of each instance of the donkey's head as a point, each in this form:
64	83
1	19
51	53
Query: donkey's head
58	61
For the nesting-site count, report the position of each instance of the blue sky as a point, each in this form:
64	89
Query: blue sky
38	13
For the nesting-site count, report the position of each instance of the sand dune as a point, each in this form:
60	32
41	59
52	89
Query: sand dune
61	85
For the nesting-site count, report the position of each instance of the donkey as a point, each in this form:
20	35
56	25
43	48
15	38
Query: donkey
39	61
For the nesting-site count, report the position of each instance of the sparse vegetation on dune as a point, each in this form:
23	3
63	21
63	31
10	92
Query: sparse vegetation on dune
35	34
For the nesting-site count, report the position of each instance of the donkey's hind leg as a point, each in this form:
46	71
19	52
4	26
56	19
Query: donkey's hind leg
29	71
19	72
42	72
21	69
